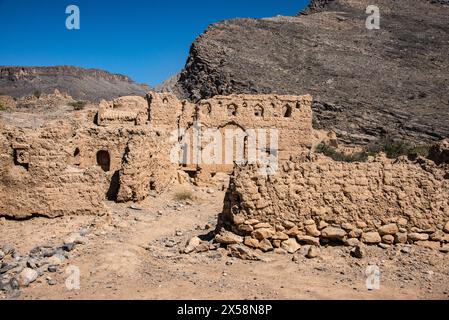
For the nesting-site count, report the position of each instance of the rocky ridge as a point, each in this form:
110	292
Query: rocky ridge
368	84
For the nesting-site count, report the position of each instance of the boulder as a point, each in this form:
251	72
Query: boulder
389	229
371	238
333	233
226	237
290	245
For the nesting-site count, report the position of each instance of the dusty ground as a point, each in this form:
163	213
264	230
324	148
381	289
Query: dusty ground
134	254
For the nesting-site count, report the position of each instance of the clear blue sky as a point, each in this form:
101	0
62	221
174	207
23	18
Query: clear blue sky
146	40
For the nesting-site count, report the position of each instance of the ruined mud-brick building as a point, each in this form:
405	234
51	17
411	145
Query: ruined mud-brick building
123	152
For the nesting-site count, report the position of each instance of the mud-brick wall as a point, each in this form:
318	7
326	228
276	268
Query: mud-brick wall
36	179
400	200
146	166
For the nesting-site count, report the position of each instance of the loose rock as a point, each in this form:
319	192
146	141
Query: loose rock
226	237
290	245
333	233
389	229
359	251
27	276
265	245
314	252
241	252
371	238
192	244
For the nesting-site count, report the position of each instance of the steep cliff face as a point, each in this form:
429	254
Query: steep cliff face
82	84
367	83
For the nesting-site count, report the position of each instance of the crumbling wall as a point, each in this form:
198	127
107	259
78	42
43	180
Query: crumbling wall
72	166
36	179
146	167
318	199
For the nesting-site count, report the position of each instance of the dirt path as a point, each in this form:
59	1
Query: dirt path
134	254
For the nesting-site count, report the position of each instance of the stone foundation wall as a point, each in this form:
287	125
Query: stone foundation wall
320	200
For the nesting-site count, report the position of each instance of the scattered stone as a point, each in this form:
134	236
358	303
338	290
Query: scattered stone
265	245
135	207
444	249
309	222
27	276
406	249
280	236
389	229
429	244
437	236
356	233
262	226
238	219
352	242
251	242
348	226
51	282
2	255
170	243
333	233
314	252
400	238
52	268
402	222
263	233
68	247
322	225
5	267
446	227
308	240
277	243
361	225
241	252
312	230
293	232
251	222
202	247
279	251
32	263
75	238
55	260
210	191
384	245
7	249
290	245
288	225
371	238
226	237
418	237
178	233
388	239
246	228
359	251
192	244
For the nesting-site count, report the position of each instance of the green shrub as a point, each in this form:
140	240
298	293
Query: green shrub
337	155
183	195
37	94
2	107
396	148
78	105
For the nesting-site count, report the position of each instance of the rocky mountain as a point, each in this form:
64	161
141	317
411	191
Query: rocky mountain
392	82
81	84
